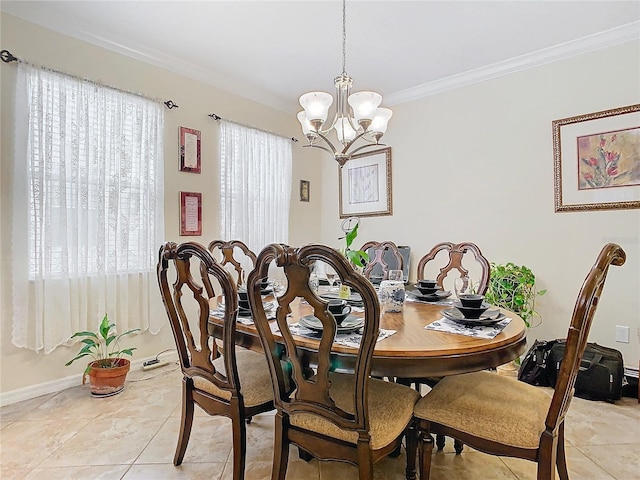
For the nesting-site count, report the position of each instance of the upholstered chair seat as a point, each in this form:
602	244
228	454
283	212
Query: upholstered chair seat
384	398
503	409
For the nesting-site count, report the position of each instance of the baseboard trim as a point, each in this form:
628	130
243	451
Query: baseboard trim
52	386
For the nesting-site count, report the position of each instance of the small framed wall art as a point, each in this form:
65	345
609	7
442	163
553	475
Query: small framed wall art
365	185
304	190
190	213
189	150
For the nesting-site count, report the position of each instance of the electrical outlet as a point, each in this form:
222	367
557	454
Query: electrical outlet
622	334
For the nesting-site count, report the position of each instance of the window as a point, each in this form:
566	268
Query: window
88	207
255	185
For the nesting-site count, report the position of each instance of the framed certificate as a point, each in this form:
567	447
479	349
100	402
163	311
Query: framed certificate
189	150
190	213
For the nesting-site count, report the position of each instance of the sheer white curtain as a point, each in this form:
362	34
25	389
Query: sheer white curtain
255	185
88	212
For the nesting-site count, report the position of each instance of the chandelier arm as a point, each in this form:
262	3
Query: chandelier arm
348	145
314	145
333	149
367	146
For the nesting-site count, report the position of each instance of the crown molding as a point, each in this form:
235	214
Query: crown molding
598	41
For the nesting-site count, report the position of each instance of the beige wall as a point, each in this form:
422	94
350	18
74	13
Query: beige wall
476	164
22	368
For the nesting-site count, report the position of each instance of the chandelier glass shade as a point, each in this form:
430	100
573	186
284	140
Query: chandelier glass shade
358	116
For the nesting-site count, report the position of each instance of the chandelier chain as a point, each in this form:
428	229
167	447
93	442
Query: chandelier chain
344	37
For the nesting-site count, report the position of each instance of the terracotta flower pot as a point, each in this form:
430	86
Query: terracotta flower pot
108	381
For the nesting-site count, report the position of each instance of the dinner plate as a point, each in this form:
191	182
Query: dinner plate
490	317
349	324
434	297
354	299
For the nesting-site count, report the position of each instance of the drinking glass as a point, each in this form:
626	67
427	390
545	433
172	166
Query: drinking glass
331	275
396	275
463	286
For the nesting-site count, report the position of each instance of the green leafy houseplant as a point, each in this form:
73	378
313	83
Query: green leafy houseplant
514	287
356	257
102	347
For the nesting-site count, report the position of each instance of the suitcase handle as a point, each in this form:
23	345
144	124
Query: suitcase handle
587	364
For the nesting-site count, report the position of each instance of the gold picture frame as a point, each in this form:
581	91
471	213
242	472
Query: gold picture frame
365	185
597	160
305	192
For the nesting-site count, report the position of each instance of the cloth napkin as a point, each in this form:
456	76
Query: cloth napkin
485	331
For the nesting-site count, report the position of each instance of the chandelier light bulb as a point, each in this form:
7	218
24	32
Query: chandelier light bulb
381	120
316	106
345	132
364	105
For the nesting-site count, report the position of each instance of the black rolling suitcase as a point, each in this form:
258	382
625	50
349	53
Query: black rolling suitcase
600	374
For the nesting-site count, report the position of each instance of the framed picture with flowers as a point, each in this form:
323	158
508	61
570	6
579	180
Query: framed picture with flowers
597	160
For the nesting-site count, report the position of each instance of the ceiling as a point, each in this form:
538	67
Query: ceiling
273	51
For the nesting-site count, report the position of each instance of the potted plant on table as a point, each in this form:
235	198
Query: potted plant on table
514	287
108	370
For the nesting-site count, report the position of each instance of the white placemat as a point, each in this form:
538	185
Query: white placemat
449	326
352	339
270	309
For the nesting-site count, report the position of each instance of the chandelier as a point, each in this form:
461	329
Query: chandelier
358	116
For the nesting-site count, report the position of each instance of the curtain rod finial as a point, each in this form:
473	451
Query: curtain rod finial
7	56
215	117
171	105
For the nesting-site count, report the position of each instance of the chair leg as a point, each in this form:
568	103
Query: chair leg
239	444
458	446
365	461
280	449
186	421
561	459
440	440
426	450
411	438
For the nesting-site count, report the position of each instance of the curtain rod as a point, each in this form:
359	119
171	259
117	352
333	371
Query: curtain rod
7	57
218	118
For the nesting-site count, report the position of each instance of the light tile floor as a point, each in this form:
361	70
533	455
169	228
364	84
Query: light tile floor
131	436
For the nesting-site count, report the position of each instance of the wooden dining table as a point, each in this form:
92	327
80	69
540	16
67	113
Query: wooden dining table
411	352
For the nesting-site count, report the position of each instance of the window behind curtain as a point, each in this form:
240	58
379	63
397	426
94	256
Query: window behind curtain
88	208
255	186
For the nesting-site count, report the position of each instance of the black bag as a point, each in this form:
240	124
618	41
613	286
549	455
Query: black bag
600	374
534	368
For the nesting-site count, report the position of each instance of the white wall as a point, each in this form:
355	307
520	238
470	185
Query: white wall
476	164
23	369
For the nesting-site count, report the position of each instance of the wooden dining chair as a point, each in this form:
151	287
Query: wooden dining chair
455	254
502	416
236	384
330	415
231	253
377	251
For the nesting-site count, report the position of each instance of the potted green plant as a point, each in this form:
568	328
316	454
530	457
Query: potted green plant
108	370
358	258
514	287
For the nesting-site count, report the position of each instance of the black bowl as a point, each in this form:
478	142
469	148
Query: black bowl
426	283
427	290
472	312
471	301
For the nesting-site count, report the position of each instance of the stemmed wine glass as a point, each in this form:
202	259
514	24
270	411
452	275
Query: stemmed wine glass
463	286
331	275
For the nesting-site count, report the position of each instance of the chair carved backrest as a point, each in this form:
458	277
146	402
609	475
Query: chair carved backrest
312	388
196	357
583	313
229	253
456	253
379	249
